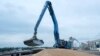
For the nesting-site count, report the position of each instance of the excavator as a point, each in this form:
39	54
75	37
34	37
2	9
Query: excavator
34	41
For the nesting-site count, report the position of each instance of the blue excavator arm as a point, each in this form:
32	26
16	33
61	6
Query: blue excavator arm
48	6
34	41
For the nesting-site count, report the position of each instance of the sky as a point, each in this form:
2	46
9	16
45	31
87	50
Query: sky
76	18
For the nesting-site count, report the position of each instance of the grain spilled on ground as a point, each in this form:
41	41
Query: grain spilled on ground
61	52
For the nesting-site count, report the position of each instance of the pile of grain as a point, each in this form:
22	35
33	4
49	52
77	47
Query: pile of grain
61	52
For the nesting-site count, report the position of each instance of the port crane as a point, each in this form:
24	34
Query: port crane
34	41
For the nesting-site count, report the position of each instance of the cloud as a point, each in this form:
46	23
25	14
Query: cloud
13	40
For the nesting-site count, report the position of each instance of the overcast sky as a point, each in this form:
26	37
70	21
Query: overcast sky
76	18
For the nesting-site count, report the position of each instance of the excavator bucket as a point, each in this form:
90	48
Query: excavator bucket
33	42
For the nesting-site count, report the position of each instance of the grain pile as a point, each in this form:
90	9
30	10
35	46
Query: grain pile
61	52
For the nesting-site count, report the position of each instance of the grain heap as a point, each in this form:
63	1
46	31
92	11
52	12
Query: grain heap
61	52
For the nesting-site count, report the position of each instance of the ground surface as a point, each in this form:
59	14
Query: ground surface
97	53
62	52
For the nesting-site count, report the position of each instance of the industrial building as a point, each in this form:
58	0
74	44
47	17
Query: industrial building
91	45
94	45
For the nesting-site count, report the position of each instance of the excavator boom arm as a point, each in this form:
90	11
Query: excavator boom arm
56	32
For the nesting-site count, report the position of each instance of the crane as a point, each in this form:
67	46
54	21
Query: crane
34	41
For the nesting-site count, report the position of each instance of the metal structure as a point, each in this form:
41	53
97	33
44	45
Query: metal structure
34	41
20	53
